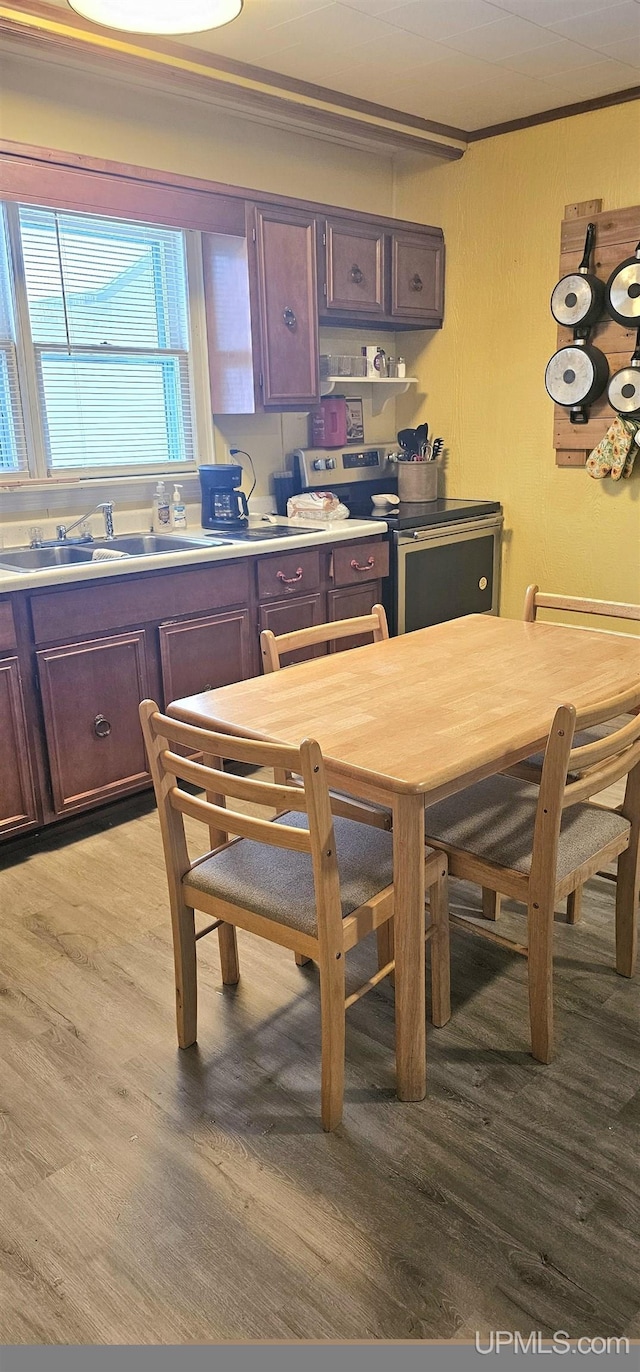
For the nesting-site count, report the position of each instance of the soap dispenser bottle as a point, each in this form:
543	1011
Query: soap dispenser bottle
178	509
160	513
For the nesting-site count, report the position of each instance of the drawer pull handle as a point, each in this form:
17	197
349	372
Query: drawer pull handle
207	686
416	283
358	567
101	727
356	274
289	318
290	580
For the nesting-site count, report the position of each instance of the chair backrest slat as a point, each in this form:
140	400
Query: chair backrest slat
228	746
542	600
273	647
215	782
247	826
589	754
598	778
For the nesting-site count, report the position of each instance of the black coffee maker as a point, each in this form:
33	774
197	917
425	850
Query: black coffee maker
224	505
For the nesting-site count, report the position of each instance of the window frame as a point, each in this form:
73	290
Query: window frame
197	362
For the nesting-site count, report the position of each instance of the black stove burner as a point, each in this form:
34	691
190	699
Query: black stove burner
255	533
443	511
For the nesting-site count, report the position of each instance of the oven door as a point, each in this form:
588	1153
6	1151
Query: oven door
444	572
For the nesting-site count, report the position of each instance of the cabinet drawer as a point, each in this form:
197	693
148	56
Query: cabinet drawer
17	798
7	628
288	574
367	562
203	654
96	608
90	698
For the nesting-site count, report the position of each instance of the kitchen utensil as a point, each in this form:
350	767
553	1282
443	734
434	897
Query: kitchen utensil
408	440
623	391
576	375
436	448
578	297
623	291
381	501
422	434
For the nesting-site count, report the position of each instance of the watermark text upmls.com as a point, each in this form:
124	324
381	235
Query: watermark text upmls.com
534	1342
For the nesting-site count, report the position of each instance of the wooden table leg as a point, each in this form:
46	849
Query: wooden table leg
408	876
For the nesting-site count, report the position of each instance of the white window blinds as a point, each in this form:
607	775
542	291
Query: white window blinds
13	452
108	312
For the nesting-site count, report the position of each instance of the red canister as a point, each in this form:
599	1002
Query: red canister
329	423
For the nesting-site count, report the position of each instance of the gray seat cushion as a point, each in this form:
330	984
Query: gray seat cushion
592	735
278	883
495	820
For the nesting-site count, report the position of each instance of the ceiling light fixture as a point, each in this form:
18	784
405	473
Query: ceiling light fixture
159	16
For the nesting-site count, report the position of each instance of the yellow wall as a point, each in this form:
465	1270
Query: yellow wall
63	107
483	375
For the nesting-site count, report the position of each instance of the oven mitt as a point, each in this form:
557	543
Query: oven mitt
615	454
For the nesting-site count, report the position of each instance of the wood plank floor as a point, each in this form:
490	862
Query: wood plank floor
153	1196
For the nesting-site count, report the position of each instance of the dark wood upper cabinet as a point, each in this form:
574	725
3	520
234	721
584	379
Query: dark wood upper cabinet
417	277
355	268
286	286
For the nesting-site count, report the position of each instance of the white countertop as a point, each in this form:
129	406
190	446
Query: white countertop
339	531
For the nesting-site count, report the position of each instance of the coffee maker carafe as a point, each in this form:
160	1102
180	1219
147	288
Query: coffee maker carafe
224	505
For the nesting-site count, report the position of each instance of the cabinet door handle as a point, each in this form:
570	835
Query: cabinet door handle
356	274
289	318
483	583
290	580
358	567
101	727
207	686
415	283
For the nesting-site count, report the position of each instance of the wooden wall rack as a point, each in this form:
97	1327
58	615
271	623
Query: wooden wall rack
617	233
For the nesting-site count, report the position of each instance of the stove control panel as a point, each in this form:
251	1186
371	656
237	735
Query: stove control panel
310	466
371	457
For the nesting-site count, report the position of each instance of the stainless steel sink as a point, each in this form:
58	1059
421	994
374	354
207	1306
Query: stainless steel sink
143	545
35	559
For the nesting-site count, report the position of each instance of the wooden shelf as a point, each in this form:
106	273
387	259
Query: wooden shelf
378	390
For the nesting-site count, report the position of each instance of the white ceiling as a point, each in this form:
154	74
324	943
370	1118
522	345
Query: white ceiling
468	63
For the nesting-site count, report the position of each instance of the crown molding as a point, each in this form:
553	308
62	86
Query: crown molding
35	28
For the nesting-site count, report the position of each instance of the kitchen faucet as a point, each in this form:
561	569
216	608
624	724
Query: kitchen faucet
106	508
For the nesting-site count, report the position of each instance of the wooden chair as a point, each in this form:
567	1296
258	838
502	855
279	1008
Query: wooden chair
273	649
535	600
537	843
327	886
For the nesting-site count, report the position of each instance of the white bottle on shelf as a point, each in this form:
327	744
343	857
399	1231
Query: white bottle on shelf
160	512
178	509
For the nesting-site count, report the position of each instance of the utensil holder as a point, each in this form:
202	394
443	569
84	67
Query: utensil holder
417	482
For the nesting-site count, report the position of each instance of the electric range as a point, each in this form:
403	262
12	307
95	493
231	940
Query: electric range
444	554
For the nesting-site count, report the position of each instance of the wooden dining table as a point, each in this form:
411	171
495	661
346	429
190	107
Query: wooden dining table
412	719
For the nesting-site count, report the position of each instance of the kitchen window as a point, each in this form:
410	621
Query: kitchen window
102	355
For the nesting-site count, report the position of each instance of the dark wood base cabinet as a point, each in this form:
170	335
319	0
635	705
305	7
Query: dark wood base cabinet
71	682
202	654
90	698
17	793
